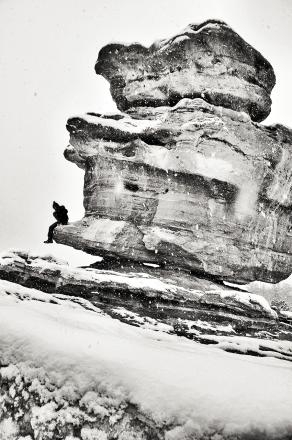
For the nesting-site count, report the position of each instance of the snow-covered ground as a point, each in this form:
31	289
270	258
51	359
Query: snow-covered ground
73	257
189	391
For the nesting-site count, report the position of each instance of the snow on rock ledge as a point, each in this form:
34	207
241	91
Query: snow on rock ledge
176	302
154	284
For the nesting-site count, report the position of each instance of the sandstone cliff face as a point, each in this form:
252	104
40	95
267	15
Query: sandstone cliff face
196	185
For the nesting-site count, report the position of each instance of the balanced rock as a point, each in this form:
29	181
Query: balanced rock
197	185
208	60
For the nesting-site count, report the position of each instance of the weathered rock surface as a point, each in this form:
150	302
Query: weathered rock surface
208	60
161	299
194	186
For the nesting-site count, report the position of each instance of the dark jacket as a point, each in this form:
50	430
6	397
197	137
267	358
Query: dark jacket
60	214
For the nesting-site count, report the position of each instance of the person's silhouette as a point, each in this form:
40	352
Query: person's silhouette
61	215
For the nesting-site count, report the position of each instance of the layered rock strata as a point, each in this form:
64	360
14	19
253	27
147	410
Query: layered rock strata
196	185
173	302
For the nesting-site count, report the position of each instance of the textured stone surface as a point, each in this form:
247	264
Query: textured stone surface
208	60
176	302
195	186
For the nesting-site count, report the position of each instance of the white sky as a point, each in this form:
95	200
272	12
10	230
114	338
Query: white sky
48	50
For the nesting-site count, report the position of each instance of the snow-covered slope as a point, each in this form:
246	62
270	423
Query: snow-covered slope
140	295
70	370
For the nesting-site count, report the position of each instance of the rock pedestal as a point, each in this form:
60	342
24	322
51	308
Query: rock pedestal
184	177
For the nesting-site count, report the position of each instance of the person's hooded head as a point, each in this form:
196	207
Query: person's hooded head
55	205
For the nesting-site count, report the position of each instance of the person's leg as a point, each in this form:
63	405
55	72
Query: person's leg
51	232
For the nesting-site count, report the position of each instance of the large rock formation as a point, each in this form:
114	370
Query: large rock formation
196	185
